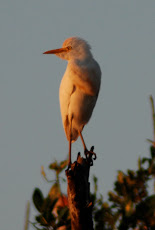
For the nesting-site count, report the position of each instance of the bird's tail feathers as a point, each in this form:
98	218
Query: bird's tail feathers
70	132
74	134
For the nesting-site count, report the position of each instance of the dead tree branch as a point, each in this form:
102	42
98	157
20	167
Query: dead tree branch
80	205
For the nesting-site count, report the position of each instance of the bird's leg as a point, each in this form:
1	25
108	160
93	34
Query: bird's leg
88	153
70	145
84	145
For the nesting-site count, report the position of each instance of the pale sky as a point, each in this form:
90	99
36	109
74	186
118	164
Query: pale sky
122	36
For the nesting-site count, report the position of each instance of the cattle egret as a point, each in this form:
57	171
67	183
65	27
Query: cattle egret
79	88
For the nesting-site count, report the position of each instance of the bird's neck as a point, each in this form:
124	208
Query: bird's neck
81	61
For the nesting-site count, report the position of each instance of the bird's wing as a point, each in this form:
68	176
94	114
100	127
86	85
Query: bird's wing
66	91
87	77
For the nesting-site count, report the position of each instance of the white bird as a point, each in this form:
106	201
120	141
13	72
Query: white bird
79	88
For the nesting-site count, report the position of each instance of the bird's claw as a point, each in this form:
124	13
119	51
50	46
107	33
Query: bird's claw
90	155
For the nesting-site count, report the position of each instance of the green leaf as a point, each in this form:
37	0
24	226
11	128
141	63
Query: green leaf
38	199
52	205
40	219
54	191
49	217
58	167
145	159
54	166
63	165
152	150
145	210
95	185
63	213
63	179
152	142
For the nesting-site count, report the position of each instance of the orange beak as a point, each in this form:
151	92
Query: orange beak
61	50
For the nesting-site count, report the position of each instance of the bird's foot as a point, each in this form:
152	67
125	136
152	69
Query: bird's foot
90	155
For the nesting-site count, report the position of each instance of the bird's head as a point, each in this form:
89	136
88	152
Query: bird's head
72	48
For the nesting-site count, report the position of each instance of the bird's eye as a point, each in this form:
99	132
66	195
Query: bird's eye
69	48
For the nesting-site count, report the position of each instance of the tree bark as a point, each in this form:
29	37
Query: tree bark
78	190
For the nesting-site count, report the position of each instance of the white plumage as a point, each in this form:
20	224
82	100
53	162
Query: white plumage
79	87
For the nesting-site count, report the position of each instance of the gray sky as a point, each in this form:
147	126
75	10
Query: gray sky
122	36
